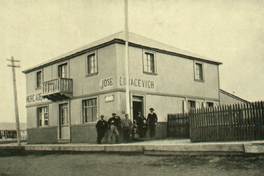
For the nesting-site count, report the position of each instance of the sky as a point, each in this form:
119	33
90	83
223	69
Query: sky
231	32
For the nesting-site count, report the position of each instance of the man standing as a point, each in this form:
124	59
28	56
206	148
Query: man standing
152	121
126	126
101	127
113	123
141	122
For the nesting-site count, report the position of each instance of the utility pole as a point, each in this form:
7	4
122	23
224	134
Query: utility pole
13	66
126	57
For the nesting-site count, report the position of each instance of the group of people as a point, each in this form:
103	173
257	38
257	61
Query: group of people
111	129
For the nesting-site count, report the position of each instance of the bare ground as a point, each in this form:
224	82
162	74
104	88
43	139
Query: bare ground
129	165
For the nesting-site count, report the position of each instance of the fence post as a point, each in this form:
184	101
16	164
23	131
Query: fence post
257	121
251	121
168	125
232	125
261	120
193	125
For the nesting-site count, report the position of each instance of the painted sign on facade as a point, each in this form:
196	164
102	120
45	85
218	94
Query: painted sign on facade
34	98
133	82
109	98
106	83
137	82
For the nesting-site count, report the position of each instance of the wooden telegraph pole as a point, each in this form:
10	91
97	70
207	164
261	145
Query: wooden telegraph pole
13	66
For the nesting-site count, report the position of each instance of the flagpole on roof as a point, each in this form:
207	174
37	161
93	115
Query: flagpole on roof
126	58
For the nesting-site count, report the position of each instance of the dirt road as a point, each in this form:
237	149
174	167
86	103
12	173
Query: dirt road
128	165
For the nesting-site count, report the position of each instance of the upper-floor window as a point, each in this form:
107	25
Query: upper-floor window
89	110
198	72
63	71
39	79
149	63
91	64
42	116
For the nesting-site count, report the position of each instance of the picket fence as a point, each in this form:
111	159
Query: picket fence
238	122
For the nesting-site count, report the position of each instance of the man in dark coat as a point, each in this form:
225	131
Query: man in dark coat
101	127
152	121
127	127
114	124
142	126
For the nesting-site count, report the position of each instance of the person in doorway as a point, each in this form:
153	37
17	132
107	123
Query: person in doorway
101	127
152	121
126	126
134	130
141	122
113	124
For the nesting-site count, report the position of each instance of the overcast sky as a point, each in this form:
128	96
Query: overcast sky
231	32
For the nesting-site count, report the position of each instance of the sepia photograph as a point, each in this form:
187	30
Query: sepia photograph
132	88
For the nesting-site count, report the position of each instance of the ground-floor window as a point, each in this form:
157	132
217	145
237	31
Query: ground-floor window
89	110
191	105
210	104
42	116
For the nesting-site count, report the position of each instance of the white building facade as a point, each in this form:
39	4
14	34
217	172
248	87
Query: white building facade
66	95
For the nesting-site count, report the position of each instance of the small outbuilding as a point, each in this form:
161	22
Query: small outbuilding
8	131
227	98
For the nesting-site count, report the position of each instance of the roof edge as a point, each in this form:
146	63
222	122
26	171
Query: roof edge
234	96
113	41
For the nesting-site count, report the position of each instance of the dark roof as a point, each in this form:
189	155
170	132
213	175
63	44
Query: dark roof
233	96
134	40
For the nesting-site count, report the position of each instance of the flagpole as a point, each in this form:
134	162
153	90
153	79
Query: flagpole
126	58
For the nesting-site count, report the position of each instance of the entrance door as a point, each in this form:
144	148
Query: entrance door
64	129
138	106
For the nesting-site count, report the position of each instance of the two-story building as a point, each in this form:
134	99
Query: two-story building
66	95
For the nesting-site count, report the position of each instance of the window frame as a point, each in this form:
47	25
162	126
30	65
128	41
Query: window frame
202	78
87	64
41	81
67	70
42	125
189	105
95	117
145	53
208	103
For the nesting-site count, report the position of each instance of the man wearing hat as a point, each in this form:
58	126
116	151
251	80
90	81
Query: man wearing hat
114	123
126	126
152	121
101	127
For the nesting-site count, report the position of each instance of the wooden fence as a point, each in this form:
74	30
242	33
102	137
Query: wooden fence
178	126
228	123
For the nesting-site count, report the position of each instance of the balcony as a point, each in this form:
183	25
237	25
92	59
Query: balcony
57	89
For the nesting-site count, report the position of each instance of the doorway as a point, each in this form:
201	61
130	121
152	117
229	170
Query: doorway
64	129
138	106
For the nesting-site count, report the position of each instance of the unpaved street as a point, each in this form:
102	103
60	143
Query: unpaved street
129	165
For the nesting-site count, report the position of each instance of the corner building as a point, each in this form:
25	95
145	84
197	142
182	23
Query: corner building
66	95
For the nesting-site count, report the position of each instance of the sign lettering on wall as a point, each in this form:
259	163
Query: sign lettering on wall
34	98
133	82
137	82
109	98
106	83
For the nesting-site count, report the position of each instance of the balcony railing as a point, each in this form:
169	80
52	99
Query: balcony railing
57	89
